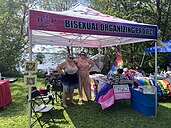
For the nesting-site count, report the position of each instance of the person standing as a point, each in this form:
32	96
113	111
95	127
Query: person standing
69	79
84	67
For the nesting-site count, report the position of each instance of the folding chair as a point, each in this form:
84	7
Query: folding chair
40	108
45	93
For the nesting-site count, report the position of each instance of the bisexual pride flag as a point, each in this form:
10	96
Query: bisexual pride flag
105	96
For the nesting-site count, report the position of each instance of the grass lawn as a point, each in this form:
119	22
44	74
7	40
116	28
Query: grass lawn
86	115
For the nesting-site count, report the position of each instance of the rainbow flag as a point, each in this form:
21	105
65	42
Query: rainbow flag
118	63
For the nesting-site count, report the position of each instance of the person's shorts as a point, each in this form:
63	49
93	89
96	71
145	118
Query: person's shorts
68	88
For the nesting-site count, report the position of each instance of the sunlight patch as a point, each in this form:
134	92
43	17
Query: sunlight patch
69	120
167	105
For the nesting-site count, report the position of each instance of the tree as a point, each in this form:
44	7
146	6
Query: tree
57	5
13	32
12	40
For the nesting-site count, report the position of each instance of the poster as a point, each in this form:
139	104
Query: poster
30	67
30	80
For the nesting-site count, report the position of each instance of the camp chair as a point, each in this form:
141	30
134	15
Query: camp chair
40	108
55	86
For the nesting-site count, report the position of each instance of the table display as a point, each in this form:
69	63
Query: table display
163	86
114	87
108	94
5	94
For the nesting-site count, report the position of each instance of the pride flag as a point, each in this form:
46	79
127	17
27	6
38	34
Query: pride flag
118	63
105	96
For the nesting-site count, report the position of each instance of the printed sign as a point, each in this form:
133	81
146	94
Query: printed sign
47	21
147	89
121	88
30	80
30	67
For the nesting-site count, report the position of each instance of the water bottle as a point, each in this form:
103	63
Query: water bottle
0	76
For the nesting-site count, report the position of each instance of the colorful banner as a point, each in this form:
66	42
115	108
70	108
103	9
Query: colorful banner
47	21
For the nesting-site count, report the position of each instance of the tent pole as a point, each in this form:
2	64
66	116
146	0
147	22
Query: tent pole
100	66
29	88
156	78
142	60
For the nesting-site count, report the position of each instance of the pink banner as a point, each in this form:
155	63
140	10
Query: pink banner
60	23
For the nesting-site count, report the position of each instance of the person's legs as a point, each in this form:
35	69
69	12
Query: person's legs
64	96
71	94
80	94
87	91
87	87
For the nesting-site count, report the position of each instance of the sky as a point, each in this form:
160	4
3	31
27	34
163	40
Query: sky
83	2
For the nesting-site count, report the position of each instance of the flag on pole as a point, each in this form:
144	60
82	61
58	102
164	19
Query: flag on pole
118	63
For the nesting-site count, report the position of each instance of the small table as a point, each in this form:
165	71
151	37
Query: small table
5	94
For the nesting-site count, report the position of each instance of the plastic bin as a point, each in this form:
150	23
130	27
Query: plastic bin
146	110
147	99
143	103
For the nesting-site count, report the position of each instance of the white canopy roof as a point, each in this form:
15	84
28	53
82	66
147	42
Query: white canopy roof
84	27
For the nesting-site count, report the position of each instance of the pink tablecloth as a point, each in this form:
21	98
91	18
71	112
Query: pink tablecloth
5	94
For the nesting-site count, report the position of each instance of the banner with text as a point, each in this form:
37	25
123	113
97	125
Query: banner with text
60	23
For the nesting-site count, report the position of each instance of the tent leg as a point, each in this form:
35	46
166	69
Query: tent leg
156	78
29	88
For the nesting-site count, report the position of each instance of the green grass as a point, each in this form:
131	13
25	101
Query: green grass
85	115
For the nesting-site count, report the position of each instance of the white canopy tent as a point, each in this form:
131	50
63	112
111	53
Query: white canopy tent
84	27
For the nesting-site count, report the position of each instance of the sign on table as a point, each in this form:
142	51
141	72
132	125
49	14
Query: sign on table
121	88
